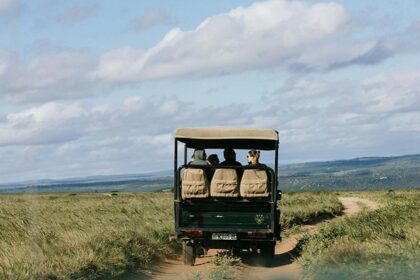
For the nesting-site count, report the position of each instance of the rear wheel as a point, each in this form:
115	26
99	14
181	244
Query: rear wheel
188	253
236	251
267	252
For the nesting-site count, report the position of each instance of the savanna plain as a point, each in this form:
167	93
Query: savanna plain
103	236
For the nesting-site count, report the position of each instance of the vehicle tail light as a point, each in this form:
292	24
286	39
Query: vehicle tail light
193	232
257	234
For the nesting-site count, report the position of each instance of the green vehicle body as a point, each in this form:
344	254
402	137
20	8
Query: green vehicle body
227	223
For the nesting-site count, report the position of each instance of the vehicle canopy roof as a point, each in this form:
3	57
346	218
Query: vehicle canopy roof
228	137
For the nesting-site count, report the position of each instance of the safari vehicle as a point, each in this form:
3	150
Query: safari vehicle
234	208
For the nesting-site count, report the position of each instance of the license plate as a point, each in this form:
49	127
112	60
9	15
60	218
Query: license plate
223	236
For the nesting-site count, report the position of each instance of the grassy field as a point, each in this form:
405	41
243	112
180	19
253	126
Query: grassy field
82	236
380	244
89	236
307	207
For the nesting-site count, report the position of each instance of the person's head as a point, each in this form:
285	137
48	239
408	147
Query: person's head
253	156
199	154
229	154
213	159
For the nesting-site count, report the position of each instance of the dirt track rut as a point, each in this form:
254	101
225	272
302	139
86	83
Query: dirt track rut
284	266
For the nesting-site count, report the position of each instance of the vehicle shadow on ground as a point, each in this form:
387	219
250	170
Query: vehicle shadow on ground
281	259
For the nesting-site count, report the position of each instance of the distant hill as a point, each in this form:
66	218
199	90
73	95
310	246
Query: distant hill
359	173
354	174
145	182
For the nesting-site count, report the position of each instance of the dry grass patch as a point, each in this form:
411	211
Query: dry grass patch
89	235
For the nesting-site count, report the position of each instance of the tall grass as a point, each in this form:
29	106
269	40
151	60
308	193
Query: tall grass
380	244
82	236
88	236
307	207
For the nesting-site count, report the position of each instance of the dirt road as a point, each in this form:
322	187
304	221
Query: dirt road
284	266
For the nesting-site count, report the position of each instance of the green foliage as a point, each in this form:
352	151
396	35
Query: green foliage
380	244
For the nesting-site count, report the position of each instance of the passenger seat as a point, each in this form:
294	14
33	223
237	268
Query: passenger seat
194	183
254	183
224	183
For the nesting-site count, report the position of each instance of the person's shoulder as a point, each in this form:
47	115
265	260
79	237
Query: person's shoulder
199	162
258	165
230	163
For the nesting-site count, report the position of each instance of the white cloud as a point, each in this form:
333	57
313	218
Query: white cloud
292	35
71	139
46	124
9	8
162	139
49	77
392	93
367	118
301	89
116	137
289	35
265	34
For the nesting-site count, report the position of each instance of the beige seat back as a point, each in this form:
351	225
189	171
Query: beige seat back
194	183
254	183
224	183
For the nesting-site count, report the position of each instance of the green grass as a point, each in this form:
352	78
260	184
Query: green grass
89	236
380	244
83	236
306	207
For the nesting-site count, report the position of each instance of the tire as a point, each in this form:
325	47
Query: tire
200	251
267	252
237	251
188	253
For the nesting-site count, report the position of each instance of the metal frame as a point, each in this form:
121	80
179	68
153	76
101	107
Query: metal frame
274	184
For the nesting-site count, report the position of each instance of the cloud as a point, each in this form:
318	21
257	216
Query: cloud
76	14
262	35
288	35
384	94
299	90
291	35
73	139
70	139
9	8
48	124
149	19
49	77
376	116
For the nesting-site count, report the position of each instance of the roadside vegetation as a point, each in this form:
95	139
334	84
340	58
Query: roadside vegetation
379	244
301	208
89	236
83	236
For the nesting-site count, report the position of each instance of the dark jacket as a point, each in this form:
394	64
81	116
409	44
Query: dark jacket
230	163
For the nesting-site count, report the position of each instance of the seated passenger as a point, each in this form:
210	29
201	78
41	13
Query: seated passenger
199	158
253	158
230	158
255	181
213	159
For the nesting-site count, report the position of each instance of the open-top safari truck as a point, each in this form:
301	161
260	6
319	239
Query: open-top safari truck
235	207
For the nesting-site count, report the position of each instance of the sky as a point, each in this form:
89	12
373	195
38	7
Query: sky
99	87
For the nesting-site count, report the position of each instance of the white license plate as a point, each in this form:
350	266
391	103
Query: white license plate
223	236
